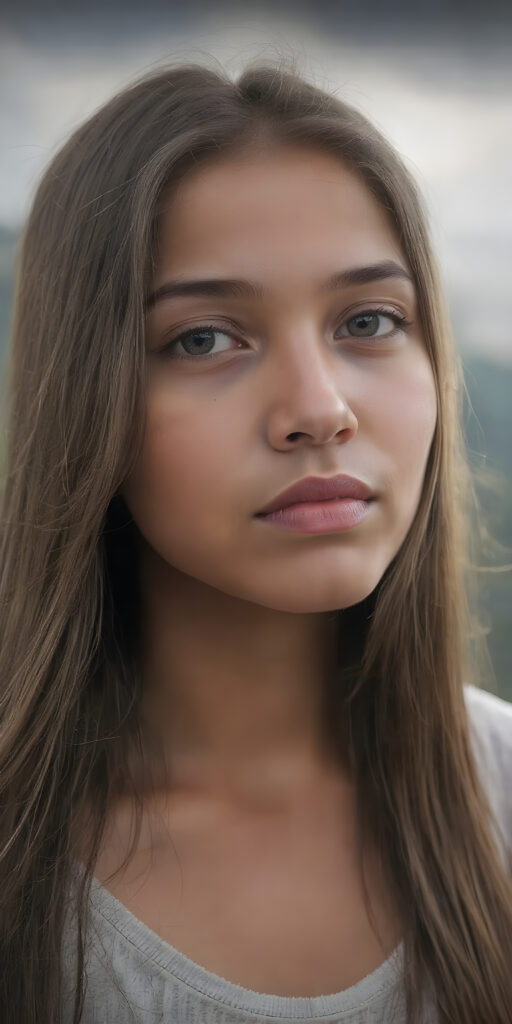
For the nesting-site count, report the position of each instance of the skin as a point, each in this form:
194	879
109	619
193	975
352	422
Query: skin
238	623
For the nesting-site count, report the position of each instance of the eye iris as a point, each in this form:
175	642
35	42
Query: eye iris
206	341
363	318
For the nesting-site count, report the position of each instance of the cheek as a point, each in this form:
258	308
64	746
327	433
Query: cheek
186	455
412	420
408	415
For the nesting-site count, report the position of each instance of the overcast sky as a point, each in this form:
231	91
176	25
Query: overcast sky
438	84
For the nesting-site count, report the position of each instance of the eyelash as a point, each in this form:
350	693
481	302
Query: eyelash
399	319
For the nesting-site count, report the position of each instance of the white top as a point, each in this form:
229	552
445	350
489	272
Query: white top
134	977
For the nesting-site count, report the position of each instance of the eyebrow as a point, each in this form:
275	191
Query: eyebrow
240	288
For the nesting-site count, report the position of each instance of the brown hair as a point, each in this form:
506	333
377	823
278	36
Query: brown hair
68	593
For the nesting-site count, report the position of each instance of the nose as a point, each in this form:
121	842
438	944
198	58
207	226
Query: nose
308	399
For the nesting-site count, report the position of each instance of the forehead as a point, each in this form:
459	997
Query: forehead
286	210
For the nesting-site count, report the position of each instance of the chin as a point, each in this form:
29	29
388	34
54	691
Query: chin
306	600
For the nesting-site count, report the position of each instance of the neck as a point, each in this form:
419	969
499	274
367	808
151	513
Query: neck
233	692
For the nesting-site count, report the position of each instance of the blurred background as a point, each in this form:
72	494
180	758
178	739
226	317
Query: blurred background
435	78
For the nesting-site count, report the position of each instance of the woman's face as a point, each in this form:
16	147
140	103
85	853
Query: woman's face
251	388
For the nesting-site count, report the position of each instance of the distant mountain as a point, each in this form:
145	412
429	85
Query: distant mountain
488	430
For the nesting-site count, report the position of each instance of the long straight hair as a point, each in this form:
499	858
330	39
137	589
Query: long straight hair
69	597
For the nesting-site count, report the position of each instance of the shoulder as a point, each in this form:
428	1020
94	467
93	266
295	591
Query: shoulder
490	722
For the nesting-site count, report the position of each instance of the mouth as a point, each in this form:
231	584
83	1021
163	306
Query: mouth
334	515
319	490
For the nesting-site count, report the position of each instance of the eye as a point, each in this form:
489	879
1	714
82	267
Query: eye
207	341
199	343
366	323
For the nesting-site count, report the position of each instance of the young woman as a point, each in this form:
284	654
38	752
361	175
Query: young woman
244	773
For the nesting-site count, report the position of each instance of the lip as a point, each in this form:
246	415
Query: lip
319	488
